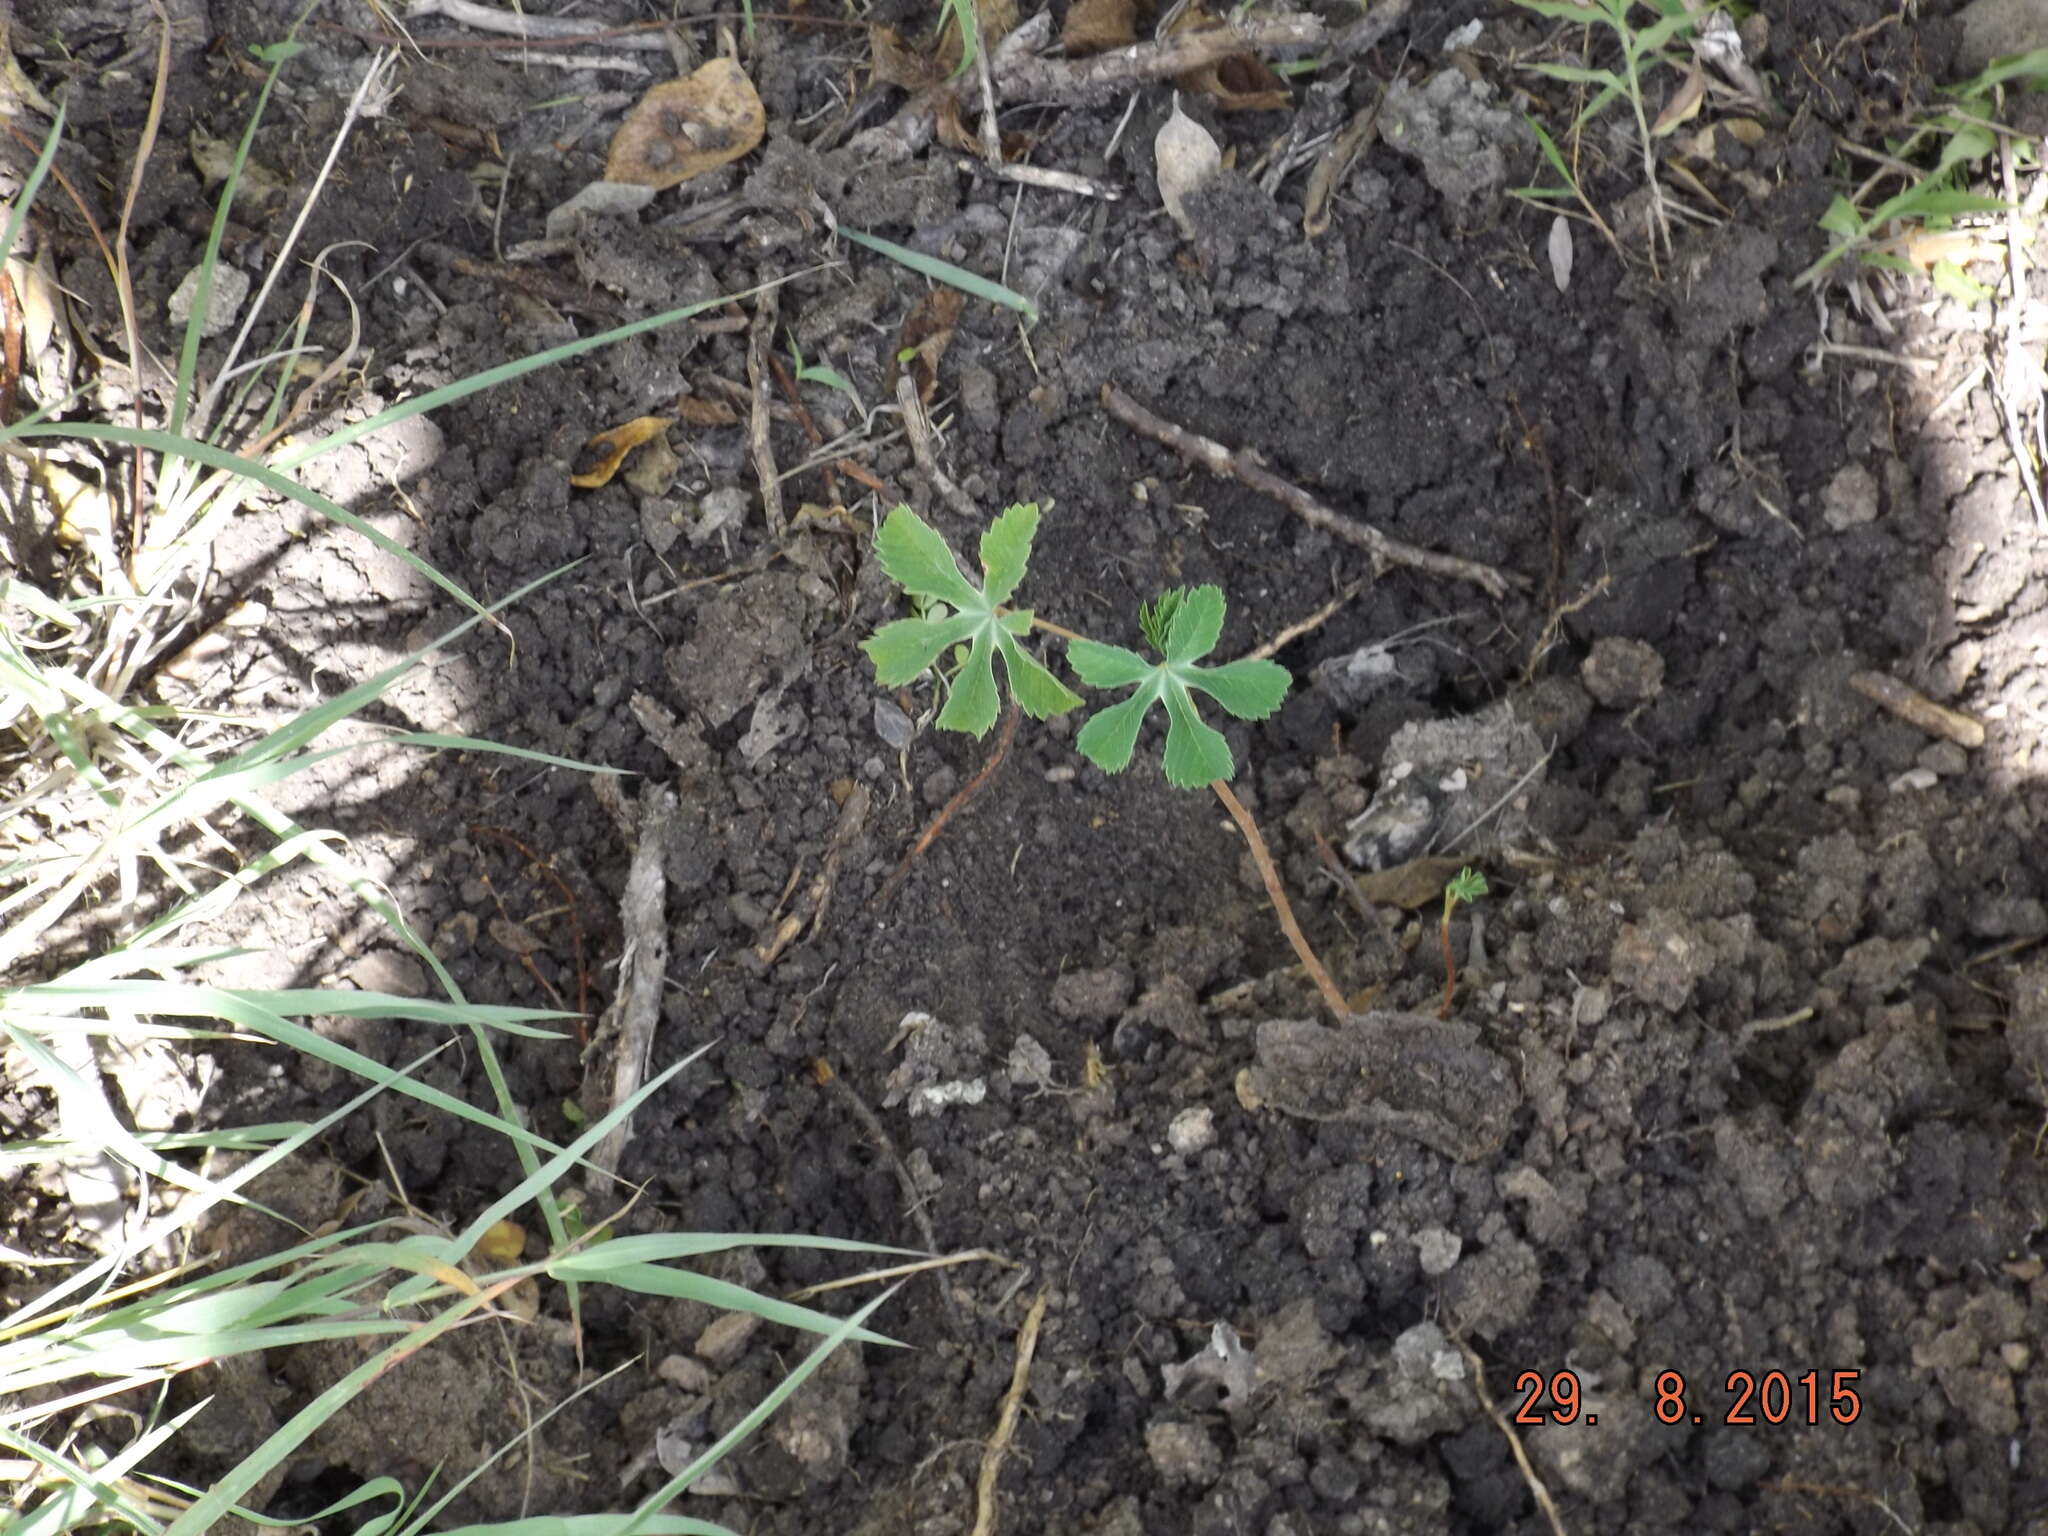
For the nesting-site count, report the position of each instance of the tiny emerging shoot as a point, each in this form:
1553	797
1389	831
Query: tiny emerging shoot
1467	886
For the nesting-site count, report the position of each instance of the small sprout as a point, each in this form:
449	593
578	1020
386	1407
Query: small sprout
959	613
1467	885
1183	626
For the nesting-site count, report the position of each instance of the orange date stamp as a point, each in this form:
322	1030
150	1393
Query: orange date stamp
1745	1398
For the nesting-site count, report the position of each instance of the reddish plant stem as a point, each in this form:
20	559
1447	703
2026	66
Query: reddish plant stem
1281	907
1450	969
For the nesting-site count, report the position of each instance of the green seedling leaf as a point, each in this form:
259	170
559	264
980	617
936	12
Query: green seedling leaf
1183	626
1467	885
956	612
1958	284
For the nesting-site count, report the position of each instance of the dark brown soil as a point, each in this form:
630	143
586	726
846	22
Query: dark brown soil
1752	1060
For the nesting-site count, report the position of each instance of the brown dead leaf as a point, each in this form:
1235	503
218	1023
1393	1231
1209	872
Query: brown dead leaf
897	63
1684	104
516	937
599	459
926	334
993	19
1240	83
1418	883
699	411
1096	26
683	128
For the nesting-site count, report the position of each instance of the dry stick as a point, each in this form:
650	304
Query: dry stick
1281	908
629	1024
1348	884
917	426
1006	1420
1542	1494
1247	466
1093	81
947	812
1018	73
758	344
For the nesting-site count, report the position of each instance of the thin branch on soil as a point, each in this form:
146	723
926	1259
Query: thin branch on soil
917	426
1281	907
1019	73
627	1030
1536	1488
900	1271
1307	626
652	37
913	1202
803	419
1348	884
1915	708
1098	80
1006	1421
948	811
758	345
1247	466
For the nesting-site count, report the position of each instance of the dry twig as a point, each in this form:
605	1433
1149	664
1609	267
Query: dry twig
759	344
1247	466
1006	1420
917	426
1542	1494
627	1030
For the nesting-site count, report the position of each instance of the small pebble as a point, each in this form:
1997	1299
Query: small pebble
1192	1131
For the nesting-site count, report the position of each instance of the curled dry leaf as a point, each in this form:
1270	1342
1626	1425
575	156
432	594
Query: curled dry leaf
897	63
1243	82
600	458
1187	157
926	334
1096	26
683	128
1684	104
702	411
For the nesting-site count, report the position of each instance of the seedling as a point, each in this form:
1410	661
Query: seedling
1914	230
1468	885
1182	625
823	373
1642	47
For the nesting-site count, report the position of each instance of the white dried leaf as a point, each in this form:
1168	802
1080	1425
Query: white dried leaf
1187	157
1561	252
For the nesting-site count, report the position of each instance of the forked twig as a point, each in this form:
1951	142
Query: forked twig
1247	466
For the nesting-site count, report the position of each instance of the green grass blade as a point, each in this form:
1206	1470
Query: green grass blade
723	1446
945	272
25	198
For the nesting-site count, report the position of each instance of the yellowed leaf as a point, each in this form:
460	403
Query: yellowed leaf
503	1242
1684	105
600	458
683	128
